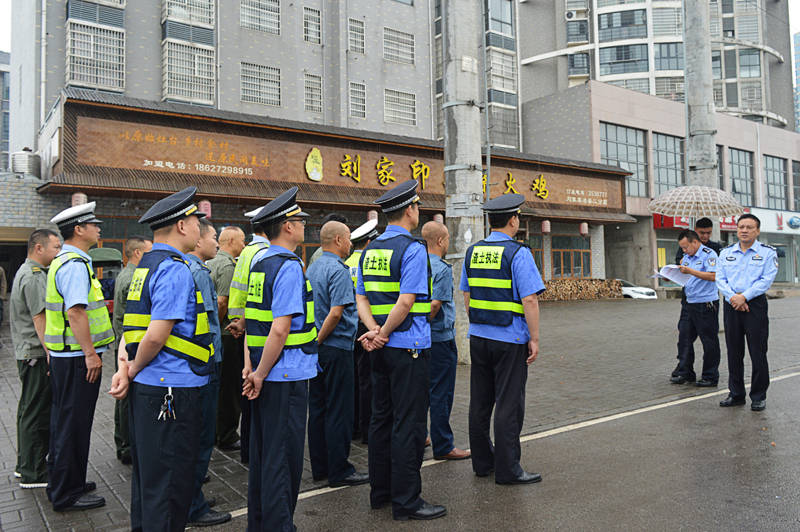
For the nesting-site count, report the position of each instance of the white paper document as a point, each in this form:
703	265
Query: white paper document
673	273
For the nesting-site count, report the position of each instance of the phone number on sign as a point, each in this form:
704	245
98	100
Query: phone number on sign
220	169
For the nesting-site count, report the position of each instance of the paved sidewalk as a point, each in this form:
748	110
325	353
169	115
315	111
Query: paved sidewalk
597	358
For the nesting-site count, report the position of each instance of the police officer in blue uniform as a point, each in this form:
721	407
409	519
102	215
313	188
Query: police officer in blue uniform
165	354
282	340
500	282
745	271
699	313
393	297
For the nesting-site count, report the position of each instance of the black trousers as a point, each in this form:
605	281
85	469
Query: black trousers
71	417
164	456
230	391
277	438
122	437
699	319
362	388
33	420
752	327
330	415
497	382
398	427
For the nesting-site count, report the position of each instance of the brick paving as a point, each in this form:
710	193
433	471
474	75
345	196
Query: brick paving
597	358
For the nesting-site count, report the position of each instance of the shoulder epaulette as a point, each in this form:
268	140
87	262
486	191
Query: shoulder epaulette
706	250
770	247
35	269
730	245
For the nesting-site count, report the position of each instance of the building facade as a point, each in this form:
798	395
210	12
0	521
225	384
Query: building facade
638	45
796	63
5	109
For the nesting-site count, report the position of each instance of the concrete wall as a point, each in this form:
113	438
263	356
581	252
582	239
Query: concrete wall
559	125
25	34
777	35
597	236
542	30
629	251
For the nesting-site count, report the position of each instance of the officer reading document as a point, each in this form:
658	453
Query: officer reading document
165	356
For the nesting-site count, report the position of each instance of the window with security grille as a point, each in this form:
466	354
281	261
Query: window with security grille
751	95
439	117
626	147
261	15
796	184
671	88
438	60
607	3
356	35
718	100
578	64
622	25
720	172
667	21
503	126
667	162
741	170
312	25
775	177
749	63
577	4
636	84
747	28
95	56
668	55
577	31
623	59
260	84
716	64
398	46
188	72
399	107
358	100
313	93
503	71
192	11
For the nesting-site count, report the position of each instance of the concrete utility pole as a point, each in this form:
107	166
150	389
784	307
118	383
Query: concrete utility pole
461	34
701	150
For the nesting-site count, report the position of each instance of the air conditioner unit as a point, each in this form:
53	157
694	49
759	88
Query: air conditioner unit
25	162
571	15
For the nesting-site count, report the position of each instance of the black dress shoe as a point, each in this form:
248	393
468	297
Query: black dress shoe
524	478
126	459
680	379
731	401
426	512
758	406
86	501
353	479
211	502
705	383
211	518
89	486
484	474
206	479
235	446
379	504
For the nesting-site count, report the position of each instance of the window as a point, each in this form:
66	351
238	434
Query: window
577	31
749	63
355	30
732	94
312	25
669	56
667	21
607	3
720	172
261	15
637	84
571	257
398	46
535	243
670	88
260	84
188	72
503	71
399	107
623	59
667	163
751	94
313	93
439	117
727	6
775	177
358	100
796	184
747	28
192	11
504	126
622	25
625	147
730	64
95	56
741	170
501	16
409	2
716	64
578	64
727	28
746	5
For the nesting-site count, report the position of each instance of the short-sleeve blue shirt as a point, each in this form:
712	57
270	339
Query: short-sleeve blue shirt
698	290
172	298
333	287
202	277
443	324
749	273
287	300
72	281
525	280
413	280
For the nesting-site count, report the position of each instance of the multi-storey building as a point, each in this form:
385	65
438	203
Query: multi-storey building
796	62
5	121
638	45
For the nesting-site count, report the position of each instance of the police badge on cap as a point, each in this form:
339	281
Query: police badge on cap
171	209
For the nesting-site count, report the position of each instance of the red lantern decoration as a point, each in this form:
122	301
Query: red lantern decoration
205	207
584	229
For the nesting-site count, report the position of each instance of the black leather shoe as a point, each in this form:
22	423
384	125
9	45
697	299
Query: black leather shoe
705	383
85	502
425	513
380	504
126	459
484	474
89	486
206	479
354	479
211	518
732	401
680	379
211	502
758	406
524	478
235	446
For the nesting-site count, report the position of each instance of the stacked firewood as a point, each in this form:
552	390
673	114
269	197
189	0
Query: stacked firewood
573	289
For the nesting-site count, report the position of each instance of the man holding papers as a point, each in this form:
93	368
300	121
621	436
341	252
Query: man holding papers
700	312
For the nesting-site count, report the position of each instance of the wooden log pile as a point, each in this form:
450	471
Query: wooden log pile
575	289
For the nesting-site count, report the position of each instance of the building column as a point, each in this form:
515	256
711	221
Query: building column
597	240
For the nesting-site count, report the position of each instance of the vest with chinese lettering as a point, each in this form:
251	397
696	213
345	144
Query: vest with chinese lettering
380	269
491	298
352	263
258	311
196	349
238	293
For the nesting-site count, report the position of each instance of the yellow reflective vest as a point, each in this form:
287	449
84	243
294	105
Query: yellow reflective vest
237	298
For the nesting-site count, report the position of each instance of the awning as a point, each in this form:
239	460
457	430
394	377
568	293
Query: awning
578	216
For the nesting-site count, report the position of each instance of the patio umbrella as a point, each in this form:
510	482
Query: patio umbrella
696	202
